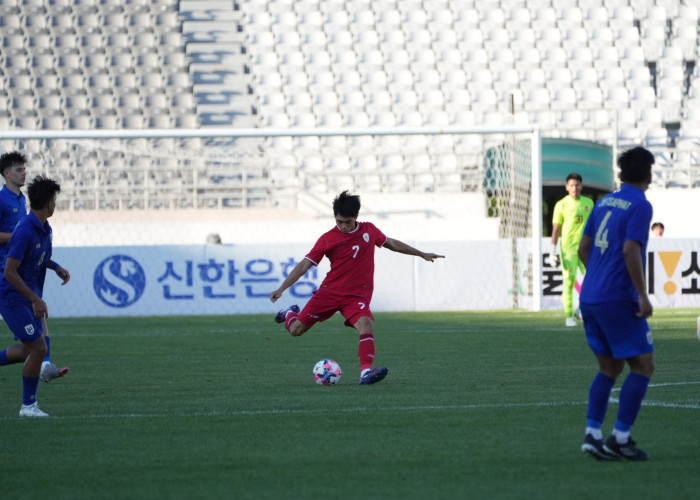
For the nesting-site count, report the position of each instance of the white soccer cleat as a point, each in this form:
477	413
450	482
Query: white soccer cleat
32	410
570	322
50	371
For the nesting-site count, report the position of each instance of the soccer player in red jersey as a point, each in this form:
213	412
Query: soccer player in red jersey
349	284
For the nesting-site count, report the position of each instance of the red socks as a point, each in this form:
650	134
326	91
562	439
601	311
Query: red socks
366	351
289	318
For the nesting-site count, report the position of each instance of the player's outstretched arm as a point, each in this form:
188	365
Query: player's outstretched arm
401	247
296	273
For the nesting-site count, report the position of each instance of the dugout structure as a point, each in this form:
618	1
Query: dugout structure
143	171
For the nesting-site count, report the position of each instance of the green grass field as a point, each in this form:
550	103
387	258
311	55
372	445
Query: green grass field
476	405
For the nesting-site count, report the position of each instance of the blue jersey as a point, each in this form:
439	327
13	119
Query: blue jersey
31	245
620	216
13	208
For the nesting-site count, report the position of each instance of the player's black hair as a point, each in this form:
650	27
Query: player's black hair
10	159
635	164
575	176
347	205
41	191
657	224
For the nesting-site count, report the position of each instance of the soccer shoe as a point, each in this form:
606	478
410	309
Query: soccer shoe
570	322
282	315
627	451
51	371
577	314
374	376
594	447
32	410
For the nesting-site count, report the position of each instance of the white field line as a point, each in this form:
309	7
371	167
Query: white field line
359	409
362	409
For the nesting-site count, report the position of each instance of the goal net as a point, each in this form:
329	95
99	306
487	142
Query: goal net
113	179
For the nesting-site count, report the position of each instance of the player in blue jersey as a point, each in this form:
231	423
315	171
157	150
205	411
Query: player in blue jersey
13	208
615	305
27	257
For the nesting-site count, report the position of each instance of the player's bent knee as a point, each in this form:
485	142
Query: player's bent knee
297	328
364	325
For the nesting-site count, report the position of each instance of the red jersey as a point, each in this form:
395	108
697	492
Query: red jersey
351	256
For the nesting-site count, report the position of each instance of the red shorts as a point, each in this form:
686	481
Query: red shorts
323	305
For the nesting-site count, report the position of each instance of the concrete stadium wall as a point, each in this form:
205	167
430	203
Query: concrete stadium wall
408	217
444	217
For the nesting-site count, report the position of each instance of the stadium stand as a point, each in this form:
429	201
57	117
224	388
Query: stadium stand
619	72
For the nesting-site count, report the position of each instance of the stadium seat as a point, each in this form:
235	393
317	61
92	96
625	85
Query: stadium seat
611	77
617	96
649	113
644	97
590	98
653	40
106	119
497	38
406	63
507	80
186	120
23	101
159	120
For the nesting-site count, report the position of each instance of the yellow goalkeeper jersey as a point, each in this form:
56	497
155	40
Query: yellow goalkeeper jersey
572	214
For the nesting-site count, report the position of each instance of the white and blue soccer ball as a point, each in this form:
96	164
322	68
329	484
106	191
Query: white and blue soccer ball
327	372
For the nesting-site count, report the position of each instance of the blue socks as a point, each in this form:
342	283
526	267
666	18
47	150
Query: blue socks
47	359
631	395
29	386
598	396
3	358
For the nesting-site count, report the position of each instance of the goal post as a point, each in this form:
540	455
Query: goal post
146	172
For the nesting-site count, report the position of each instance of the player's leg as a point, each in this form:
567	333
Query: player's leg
599	391
358	315
578	283
49	371
16	353
598	397
30	378
366	350
30	331
290	318
569	265
296	327
281	315
631	396
632	341
319	308
609	369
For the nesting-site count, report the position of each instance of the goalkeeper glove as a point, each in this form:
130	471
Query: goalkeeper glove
554	256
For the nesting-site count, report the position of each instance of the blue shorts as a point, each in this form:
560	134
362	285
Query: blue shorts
613	329
21	321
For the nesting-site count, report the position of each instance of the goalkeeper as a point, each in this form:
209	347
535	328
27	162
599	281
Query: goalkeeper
568	221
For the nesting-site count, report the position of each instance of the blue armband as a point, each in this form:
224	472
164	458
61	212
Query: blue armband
53	265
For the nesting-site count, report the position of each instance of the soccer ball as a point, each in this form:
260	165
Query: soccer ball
327	372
